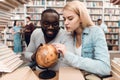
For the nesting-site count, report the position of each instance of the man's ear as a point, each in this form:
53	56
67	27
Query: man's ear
41	22
41	44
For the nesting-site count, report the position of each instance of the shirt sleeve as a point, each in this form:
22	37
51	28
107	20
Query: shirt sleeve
67	40
100	64
31	47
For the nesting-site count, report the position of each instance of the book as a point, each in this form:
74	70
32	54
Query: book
9	61
22	73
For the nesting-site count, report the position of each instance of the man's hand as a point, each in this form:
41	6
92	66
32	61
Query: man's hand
33	57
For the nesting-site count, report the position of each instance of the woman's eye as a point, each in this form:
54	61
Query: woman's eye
70	18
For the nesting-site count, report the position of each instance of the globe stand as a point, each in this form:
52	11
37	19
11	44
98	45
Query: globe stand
47	74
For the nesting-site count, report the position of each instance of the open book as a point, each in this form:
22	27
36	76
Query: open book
9	61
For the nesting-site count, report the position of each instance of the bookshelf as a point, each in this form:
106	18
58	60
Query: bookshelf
111	18
109	13
95	9
102	9
6	7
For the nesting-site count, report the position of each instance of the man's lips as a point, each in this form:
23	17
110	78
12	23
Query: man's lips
50	31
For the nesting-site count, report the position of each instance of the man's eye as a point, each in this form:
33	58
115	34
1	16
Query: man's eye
46	23
55	24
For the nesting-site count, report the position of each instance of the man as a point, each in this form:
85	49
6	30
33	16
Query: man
29	27
102	25
49	32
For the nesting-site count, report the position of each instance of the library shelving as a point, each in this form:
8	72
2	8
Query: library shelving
109	13
98	9
6	7
111	18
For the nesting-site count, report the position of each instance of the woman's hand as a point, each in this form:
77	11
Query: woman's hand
13	32
60	48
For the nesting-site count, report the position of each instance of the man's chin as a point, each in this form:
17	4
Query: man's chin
50	35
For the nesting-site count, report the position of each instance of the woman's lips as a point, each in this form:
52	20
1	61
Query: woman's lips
67	28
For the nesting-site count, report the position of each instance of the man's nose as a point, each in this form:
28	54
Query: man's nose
50	26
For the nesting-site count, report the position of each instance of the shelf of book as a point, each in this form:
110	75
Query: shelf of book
111	18
98	9
109	13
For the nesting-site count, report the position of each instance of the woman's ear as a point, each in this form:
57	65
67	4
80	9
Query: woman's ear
80	23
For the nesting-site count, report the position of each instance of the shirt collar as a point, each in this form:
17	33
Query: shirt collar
86	31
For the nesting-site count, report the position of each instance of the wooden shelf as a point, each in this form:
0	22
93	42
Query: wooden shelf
11	4
5	8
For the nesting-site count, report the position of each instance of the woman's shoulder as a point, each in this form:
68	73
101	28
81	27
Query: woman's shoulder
95	28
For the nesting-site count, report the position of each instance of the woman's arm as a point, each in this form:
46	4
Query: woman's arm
100	64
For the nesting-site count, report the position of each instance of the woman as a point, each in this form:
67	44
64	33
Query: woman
17	37
29	28
91	52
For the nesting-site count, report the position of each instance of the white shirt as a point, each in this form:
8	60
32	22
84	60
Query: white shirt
78	50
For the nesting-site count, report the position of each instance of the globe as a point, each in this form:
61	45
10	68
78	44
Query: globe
46	56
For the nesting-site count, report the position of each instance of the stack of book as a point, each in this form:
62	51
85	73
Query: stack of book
23	73
9	61
116	68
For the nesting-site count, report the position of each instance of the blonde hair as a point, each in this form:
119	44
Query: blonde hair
80	9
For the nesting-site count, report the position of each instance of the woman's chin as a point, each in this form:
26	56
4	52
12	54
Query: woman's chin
68	30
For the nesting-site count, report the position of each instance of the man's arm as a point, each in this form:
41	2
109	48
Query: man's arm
31	47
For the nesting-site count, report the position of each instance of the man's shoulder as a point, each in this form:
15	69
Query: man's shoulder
64	33
37	31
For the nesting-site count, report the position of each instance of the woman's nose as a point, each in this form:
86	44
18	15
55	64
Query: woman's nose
66	22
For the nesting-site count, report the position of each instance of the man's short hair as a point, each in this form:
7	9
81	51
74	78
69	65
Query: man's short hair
50	11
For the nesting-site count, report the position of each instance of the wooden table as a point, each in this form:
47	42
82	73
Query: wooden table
25	73
71	74
66	73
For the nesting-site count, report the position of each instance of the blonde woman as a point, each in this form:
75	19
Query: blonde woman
91	51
